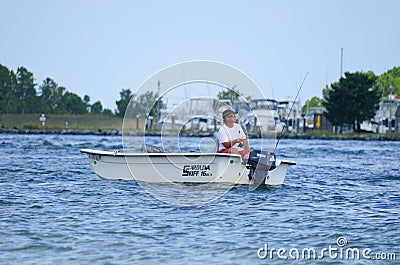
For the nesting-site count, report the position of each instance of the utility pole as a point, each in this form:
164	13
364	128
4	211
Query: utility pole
341	63
390	108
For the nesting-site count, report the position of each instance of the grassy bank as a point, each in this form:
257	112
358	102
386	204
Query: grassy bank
60	122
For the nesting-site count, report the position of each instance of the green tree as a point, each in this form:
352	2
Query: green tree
142	105
96	108
122	104
107	112
73	104
7	84
59	107
229	94
24	91
352	100
148	104
86	100
51	95
314	102
387	79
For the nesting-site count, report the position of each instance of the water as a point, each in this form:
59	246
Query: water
55	210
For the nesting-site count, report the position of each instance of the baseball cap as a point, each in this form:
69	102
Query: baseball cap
227	113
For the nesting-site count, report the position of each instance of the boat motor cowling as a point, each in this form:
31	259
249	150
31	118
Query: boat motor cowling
260	162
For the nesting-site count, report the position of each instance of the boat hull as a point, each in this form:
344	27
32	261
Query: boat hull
178	167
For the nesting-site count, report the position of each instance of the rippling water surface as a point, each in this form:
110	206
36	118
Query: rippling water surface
54	209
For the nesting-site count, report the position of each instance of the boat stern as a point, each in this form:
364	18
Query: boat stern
277	175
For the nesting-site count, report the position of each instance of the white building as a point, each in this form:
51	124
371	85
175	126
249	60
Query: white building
385	115
294	118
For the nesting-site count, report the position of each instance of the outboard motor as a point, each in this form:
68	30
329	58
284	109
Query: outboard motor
259	163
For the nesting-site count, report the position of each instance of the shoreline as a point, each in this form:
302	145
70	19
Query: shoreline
118	132
362	137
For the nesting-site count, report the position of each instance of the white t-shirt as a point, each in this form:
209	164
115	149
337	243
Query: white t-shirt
226	134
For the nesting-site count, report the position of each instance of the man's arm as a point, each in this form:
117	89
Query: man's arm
231	143
246	145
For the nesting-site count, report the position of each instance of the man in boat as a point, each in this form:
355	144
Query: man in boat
232	137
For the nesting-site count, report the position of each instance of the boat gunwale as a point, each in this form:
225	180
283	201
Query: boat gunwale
290	163
120	154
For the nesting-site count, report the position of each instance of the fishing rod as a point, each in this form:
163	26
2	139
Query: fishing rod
284	126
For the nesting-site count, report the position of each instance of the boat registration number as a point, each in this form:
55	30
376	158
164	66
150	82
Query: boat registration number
197	170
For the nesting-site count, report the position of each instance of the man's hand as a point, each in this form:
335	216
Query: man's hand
236	141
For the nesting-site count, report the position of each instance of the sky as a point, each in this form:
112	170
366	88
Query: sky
98	47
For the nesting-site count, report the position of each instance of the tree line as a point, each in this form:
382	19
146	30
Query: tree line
355	97
18	95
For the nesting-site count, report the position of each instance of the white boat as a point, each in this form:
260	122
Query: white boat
261	168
